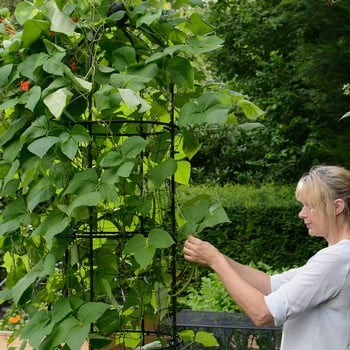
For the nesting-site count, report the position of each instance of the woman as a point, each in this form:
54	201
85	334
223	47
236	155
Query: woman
312	302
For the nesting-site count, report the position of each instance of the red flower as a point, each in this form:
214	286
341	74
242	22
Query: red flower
25	85
73	66
74	19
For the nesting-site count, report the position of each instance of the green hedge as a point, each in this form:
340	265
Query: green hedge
264	224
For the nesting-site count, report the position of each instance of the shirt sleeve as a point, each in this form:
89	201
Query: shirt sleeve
303	288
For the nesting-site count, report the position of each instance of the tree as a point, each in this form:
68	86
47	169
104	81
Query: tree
292	58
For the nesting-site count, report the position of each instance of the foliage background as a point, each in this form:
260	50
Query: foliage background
292	58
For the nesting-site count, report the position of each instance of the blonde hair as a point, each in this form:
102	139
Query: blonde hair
321	186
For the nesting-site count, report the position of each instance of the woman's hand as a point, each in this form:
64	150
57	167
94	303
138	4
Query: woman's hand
200	252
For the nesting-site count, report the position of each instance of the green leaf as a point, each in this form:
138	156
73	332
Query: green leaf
129	82
34	95
346	115
23	11
107	98
5	72
91	311
69	146
250	110
111	159
250	126
14	127
181	72
38	327
123	57
80	134
198	45
32	31
133	146
216	215
60	22
86	199
206	339
53	66
54	51
196	208
9	226
132	100
38	128
209	109
187	335
41	191
142	251
83	182
183	172
162	171
41	146
60	310
160	238
190	143
43	268
125	169
135	243
198	26
55	223
57	101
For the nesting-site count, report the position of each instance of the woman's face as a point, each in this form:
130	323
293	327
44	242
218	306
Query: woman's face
312	220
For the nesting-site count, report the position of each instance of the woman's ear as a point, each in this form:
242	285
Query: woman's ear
339	206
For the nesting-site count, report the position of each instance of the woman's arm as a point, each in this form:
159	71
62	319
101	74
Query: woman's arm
246	286
258	279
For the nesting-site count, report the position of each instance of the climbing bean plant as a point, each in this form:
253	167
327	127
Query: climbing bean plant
99	103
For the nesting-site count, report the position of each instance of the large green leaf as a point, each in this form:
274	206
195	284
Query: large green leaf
198	26
38	327
60	310
32	31
55	223
83	182
210	108
41	146
190	143
132	100
123	56
86	199
133	146
23	11
91	311
57	101
5	72
41	191
60	22
198	45
142	251
160	238
206	339
181	72
42	269
183	172
111	159
196	208
53	66
69	146
216	215
9	226
33	98
251	111
161	172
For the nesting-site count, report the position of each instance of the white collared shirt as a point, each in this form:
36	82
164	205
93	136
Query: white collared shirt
313	302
